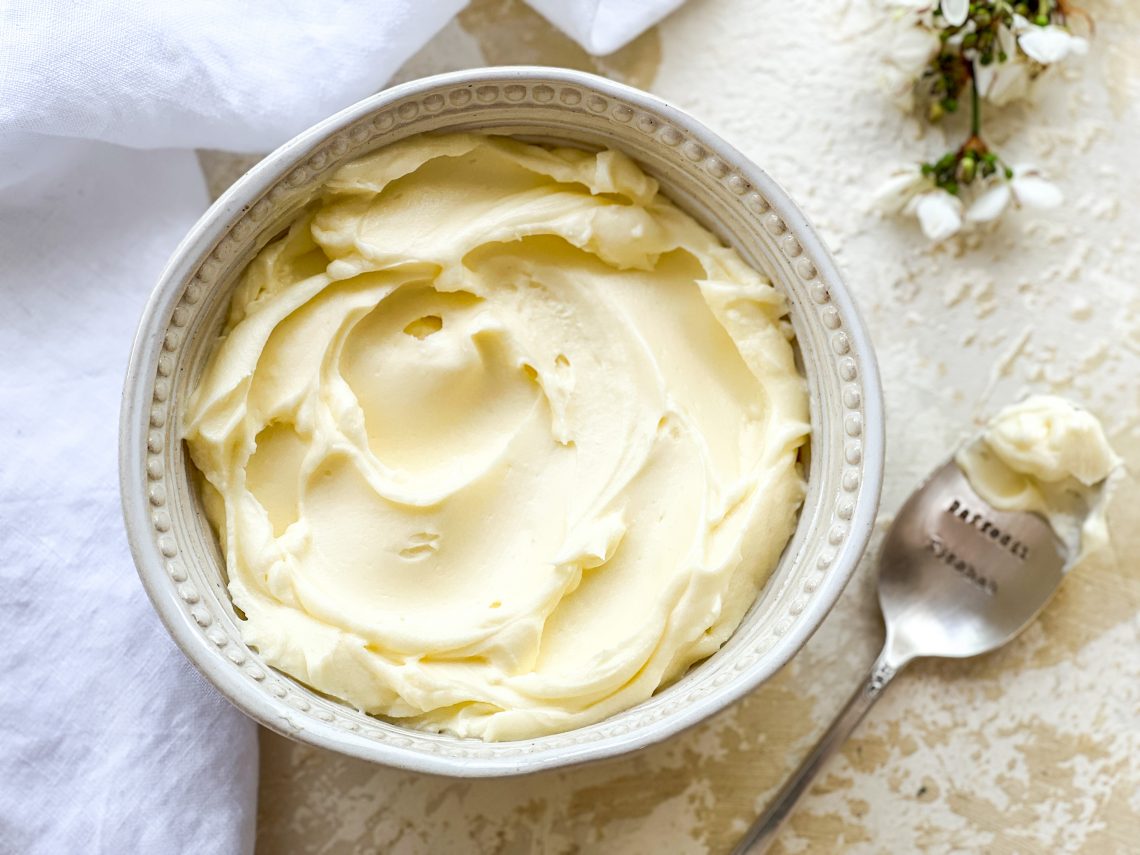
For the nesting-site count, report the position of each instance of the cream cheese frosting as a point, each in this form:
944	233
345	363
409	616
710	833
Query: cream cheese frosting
496	439
1049	456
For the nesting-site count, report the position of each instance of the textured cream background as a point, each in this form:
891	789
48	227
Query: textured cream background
1035	748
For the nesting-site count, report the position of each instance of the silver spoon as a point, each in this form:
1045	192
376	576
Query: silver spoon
957	578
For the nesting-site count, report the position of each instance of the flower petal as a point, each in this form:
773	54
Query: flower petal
1007	41
906	50
1021	24
1002	83
939	214
1047	45
955	11
1036	192
911	48
893	194
990	204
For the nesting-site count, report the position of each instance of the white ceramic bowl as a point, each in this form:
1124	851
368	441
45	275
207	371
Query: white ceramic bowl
177	554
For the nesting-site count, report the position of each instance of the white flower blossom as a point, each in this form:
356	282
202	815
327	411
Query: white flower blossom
907	49
894	194
908	191
939	213
955	11
1026	47
1027	188
1049	44
1002	83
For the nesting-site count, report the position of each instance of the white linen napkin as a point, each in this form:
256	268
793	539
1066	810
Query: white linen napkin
603	26
109	740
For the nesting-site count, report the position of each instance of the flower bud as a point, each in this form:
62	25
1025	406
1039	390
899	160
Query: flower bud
967	169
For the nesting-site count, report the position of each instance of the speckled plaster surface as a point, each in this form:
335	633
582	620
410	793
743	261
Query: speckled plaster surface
1035	748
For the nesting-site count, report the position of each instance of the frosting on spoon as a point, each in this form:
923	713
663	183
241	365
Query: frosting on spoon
1049	456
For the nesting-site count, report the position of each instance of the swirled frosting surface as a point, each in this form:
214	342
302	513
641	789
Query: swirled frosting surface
496	439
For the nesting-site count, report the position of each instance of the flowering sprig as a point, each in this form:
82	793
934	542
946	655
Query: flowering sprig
949	52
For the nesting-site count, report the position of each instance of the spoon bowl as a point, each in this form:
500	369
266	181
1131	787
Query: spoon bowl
958	577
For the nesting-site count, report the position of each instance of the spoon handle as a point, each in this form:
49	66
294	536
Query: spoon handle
763	831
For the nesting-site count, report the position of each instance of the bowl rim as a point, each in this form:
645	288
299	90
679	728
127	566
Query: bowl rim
274	713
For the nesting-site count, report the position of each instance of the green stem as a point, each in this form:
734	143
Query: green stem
975	105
